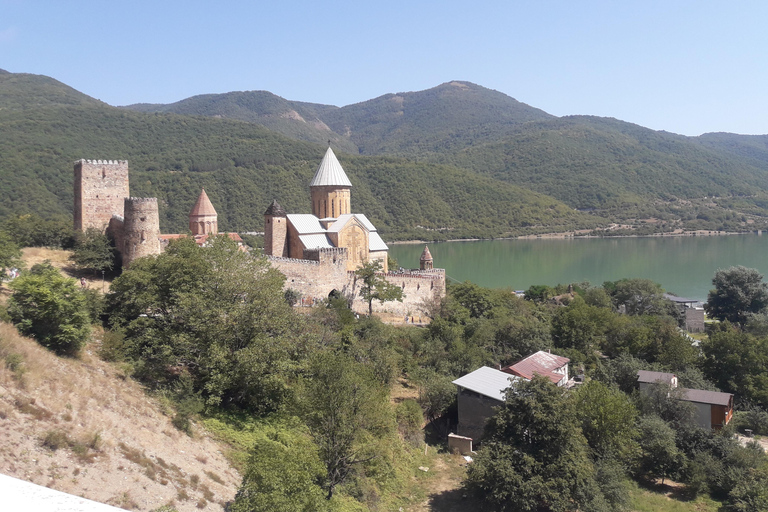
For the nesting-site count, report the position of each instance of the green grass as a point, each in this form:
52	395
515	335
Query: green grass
645	500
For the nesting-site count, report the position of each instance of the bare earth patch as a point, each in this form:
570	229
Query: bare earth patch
80	426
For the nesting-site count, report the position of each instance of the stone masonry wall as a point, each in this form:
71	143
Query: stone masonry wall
100	188
316	280
141	229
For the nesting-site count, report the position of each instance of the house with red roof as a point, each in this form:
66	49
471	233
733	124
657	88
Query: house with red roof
553	367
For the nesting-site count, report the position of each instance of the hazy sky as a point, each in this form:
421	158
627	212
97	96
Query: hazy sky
683	66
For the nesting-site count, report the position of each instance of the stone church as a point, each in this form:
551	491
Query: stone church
331	225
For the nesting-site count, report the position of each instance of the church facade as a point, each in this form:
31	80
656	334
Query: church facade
331	225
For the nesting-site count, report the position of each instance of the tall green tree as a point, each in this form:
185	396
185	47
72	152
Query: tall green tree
607	419
640	297
93	251
217	312
375	287
535	457
738	292
660	457
50	308
346	410
10	254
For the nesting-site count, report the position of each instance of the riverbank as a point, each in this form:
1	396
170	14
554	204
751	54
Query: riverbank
585	234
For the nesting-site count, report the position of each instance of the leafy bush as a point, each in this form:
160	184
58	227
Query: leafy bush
50	308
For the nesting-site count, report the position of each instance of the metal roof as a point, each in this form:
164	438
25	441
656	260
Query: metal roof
706	397
680	300
305	223
330	173
650	377
375	243
487	382
317	241
539	363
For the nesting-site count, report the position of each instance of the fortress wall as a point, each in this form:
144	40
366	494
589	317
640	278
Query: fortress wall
418	287
312	279
315	280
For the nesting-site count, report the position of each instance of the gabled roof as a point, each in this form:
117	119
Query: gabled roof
305	223
487	382
342	221
375	243
649	377
706	397
330	173
203	206
316	241
540	363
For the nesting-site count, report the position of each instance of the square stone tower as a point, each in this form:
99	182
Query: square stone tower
101	187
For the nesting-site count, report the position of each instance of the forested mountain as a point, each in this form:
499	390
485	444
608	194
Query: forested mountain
457	160
243	167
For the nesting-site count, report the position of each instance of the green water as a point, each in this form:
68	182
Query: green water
682	265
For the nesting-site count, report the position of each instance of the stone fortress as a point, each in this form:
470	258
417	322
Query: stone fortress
318	252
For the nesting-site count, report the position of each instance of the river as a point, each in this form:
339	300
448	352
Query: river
682	265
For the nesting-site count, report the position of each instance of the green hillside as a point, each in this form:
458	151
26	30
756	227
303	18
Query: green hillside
446	118
753	148
243	167
300	121
24	90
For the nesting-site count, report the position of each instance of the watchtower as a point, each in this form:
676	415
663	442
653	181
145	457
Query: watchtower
141	229
275	230
100	188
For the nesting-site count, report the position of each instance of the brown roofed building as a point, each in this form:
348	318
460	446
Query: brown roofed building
555	368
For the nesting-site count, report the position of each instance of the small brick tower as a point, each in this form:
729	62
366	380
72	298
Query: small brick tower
141	229
203	219
425	262
275	230
100	188
330	189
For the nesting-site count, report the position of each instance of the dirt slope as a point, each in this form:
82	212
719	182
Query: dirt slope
79	426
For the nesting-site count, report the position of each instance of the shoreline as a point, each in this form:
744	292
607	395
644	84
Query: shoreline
575	235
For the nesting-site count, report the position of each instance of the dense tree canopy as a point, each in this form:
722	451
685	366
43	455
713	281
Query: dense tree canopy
217	312
738	292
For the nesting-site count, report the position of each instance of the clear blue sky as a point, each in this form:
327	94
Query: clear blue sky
683	66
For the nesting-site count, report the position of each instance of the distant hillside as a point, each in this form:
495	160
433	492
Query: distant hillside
751	147
24	90
454	161
448	117
300	121
593	162
243	167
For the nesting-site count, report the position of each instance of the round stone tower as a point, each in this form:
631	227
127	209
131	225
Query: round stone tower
425	262
141	229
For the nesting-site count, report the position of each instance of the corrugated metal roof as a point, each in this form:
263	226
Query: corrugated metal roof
487	382
650	377
540	363
305	223
317	241
375	243
706	397
330	172
368	224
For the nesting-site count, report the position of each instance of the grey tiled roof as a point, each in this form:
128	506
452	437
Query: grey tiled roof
650	377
